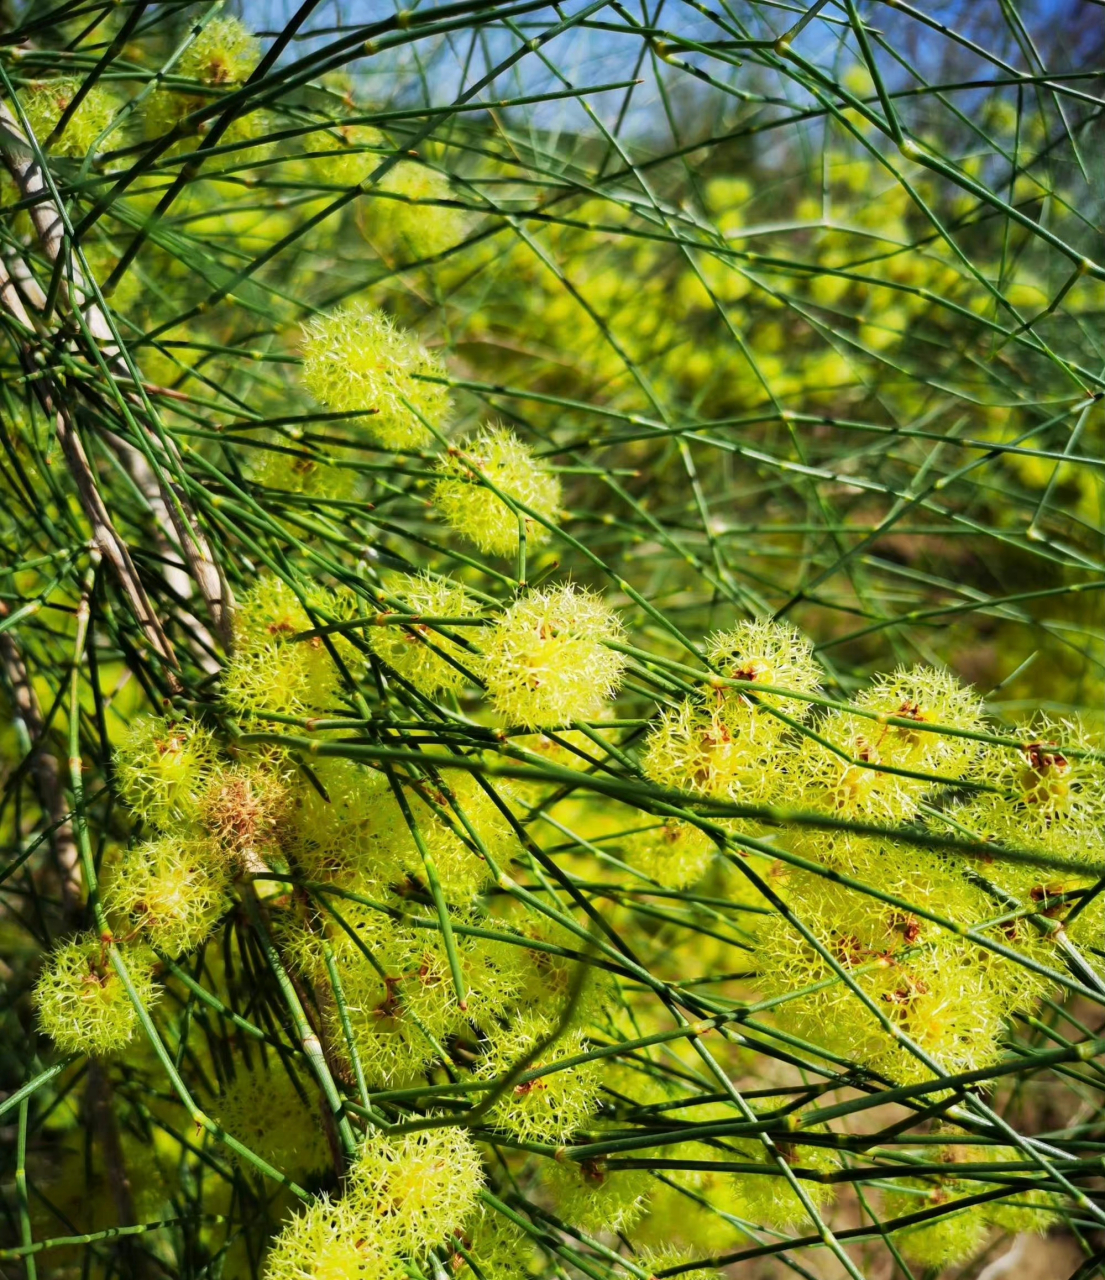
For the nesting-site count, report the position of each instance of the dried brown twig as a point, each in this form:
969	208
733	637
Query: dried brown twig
176	522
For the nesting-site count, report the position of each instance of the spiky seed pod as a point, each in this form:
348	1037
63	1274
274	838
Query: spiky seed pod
853	787
270	610
417	1189
674	854
461	869
595	1199
419	651
551	1107
656	1261
416	225
302	927
44	103
356	360
270	669
500	1249
945	1241
549	978
173	889
224	53
1031	1211
353	151
315	475
765	652
1047	789
927	695
332	828
493	975
929	984
546	660
689	1209
162	767
82	1003
266	1111
770	1200
330	1240
1046	798
847	783
399	1020
473	509
244	808
402	1019
571	749
723	750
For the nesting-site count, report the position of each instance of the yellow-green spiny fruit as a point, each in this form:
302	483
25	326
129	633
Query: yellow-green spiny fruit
222	56
402	1003
766	653
658	1260
923	982
723	749
1049	796
333	828
357	360
421	653
461	869
162	767
1030	1211
331	1240
269	610
173	889
272	669
675	854
551	976
594	1198
46	101
1048	789
351	153
276	1117
925	695
843	780
411	216
493	973
417	1189
224	53
474	474
694	1210
768	1199
499	1248
301	928
313	473
945	1241
82	1002
552	1106
546	659
399	1020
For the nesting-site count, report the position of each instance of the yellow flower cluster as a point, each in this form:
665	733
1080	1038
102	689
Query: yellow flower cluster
44	103
83	1004
357	361
406	1194
548	658
491	485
